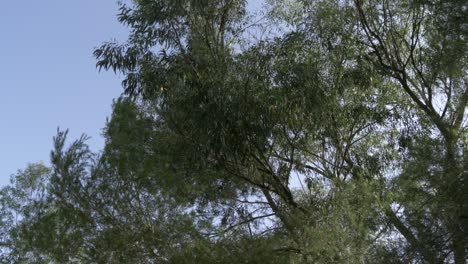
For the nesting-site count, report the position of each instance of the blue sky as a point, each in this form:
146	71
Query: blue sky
48	77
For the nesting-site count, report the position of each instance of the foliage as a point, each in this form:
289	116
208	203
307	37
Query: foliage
341	138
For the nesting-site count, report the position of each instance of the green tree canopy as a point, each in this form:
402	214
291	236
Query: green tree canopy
314	132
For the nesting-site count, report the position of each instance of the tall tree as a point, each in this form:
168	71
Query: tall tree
356	93
323	132
421	46
260	116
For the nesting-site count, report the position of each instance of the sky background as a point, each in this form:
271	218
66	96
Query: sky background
48	77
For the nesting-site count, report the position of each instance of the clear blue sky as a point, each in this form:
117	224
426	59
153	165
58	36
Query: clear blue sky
48	77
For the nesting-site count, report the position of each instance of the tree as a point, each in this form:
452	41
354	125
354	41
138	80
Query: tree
88	209
259	117
420	45
342	98
21	202
334	135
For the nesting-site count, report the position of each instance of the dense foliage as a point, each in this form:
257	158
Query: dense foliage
310	132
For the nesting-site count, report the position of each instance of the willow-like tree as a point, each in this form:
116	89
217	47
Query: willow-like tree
315	132
367	95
